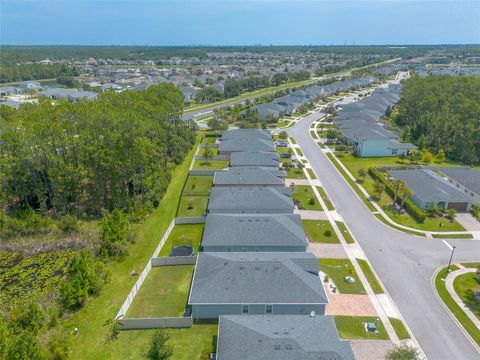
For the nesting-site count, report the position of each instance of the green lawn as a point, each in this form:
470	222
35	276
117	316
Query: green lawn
299	151
376	287
89	343
313	135
471	264
311	173
280	150
315	231
325	198
337	270
198	186
302	194
346	234
211	165
183	234
209	140
465	286
399	328
467	324
295	173
292	139
214	151
280	124
187	344
352	327
164	292
354	164
192	206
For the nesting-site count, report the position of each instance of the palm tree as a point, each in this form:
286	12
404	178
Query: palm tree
406	193
397	185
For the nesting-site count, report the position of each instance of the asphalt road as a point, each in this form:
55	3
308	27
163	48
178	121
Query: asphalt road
405	263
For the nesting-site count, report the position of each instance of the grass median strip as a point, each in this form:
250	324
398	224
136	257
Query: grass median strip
399	328
346	234
325	198
372	280
320	231
311	173
337	270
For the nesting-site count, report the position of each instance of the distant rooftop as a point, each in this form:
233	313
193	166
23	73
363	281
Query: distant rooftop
250	175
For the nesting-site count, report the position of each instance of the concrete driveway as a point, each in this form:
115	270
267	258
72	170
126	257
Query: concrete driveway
405	263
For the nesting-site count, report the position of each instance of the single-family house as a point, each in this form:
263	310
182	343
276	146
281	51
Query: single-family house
285	337
9	90
254	233
250	200
229	146
70	95
255	158
464	179
246	134
30	85
250	176
429	187
246	283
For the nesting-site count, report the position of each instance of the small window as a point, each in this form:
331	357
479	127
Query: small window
245	309
268	309
288	347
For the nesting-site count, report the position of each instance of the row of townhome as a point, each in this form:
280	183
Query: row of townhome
254	274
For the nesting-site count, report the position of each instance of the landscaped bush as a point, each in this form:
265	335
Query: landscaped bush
410	207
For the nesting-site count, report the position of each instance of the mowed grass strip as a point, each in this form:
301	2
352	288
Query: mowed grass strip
184	234
305	198
353	328
325	198
337	270
320	231
367	271
442	291
192	206
399	328
90	341
198	186
311	173
164	292
346	234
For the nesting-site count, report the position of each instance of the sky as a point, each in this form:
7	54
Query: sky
237	22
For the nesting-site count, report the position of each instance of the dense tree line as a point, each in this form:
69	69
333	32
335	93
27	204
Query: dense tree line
115	152
23	72
442	112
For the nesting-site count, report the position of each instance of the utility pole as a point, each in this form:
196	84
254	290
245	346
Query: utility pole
451	257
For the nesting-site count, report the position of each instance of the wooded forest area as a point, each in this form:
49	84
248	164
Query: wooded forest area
81	158
442	112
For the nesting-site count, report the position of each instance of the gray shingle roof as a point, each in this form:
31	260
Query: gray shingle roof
257	278
247	133
280	337
255	158
425	184
254	230
250	175
248	200
464	175
246	144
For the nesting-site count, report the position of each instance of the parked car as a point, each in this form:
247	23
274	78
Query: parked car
285	155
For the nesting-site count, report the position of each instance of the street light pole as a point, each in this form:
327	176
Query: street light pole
450	261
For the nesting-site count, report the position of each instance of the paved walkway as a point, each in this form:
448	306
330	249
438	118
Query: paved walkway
468	222
349	305
327	251
370	349
311	215
289	182
451	290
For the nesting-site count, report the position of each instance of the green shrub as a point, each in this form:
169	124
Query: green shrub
113	233
311	201
327	233
410	207
68	224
